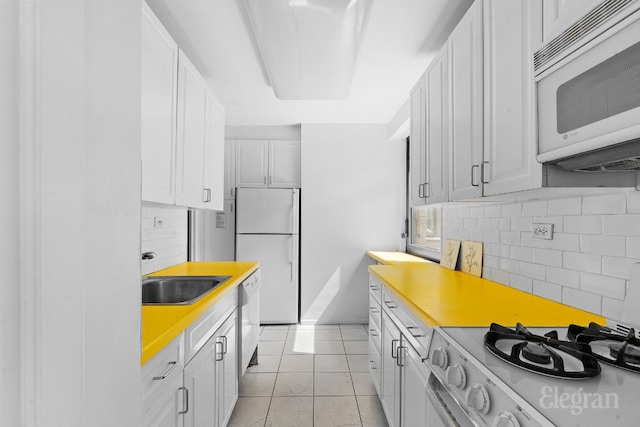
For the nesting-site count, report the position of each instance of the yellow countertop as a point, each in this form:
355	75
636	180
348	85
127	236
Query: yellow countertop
162	323
442	297
391	257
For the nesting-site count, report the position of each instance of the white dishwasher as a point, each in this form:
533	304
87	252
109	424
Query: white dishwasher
249	320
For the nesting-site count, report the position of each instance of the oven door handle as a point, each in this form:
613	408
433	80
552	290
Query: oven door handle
439	407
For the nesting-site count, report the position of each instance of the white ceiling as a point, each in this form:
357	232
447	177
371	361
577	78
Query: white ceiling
401	38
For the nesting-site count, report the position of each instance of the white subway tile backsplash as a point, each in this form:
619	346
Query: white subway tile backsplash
535	208
520	282
564	277
605	204
586	224
535	271
547	290
522	224
564	242
587	263
603	245
633	247
618	267
603	285
611	308
169	242
547	257
582	262
521	253
512	210
621	225
571	206
582	300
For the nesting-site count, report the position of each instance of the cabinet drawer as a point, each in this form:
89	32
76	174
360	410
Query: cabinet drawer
374	333
411	327
375	312
375	365
160	372
202	329
375	289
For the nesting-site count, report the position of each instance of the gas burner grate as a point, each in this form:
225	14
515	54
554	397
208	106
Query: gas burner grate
541	354
608	345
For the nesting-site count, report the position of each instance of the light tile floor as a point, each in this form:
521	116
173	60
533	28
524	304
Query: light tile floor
312	376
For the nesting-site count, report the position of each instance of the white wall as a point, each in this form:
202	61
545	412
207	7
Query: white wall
352	199
586	265
76	243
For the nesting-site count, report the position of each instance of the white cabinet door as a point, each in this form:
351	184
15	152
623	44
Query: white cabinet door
167	409
390	371
158	83
284	164
559	14
229	168
511	30
192	124
413	388
214	159
252	163
200	381
417	167
227	369
465	116
435	190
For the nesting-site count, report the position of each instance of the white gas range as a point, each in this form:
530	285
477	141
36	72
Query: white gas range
472	386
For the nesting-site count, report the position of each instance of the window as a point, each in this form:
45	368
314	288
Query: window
425	231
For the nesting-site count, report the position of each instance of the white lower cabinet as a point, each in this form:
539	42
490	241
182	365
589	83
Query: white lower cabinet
390	398
396	363
193	381
210	378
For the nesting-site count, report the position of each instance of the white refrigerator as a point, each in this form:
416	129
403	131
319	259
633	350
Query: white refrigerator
267	227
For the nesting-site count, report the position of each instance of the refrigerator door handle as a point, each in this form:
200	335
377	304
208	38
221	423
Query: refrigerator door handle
295	211
293	250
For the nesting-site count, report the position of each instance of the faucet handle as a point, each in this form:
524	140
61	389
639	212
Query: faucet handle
148	255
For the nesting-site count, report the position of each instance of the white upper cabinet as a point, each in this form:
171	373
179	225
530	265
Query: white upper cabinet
417	145
192	129
436	140
428	142
466	113
182	126
512	31
214	174
229	168
159	83
559	14
284	164
267	163
252	163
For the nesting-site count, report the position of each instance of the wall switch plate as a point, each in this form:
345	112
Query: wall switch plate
542	231
158	222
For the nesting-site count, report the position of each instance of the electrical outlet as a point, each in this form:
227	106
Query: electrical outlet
158	222
542	231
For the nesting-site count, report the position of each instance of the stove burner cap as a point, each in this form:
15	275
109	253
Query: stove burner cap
631	354
537	353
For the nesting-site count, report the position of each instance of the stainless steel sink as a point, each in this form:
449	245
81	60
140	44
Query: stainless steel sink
178	290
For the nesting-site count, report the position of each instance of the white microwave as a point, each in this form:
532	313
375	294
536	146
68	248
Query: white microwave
588	90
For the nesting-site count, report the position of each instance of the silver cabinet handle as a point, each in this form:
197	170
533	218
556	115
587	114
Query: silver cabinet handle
393	343
390	304
373	310
428	192
185	400
482	173
373	332
206	195
417	334
224	345
401	350
372	364
264	180
172	366
473	176
420	191
216	353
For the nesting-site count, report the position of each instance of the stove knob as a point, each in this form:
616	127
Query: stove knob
506	419
456	376
478	398
440	357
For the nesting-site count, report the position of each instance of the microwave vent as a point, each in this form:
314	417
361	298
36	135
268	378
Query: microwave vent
620	157
578	31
